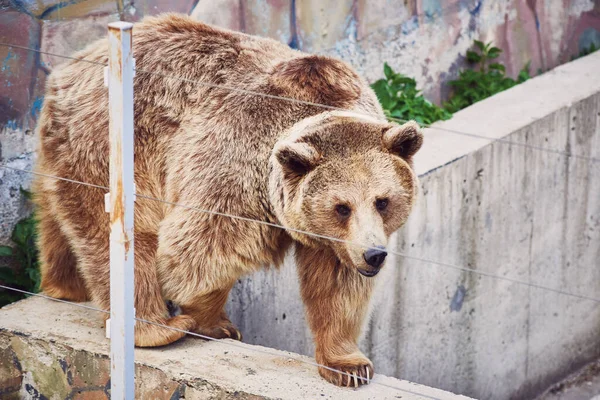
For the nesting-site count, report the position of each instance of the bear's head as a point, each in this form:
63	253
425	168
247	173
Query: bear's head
347	176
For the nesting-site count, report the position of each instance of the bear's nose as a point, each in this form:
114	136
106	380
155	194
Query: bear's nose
375	257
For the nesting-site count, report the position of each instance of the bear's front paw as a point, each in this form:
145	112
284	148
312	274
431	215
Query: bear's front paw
353	372
223	330
157	333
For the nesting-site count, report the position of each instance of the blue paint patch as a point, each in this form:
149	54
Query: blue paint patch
56	7
477	9
537	23
18	5
351	31
431	8
294	42
588	37
36	107
488	221
5	63
458	299
410	25
12	124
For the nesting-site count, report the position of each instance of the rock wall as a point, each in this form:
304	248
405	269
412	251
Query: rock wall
68	359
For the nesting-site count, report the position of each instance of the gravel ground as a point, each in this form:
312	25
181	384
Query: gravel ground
582	385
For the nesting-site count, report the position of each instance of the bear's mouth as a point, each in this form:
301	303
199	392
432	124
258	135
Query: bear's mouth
368	274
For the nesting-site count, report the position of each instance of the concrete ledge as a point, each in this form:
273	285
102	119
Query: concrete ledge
508	112
59	351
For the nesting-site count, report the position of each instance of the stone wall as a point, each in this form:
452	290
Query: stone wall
68	359
422	38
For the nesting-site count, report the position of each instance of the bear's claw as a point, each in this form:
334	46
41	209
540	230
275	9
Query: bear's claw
348	376
225	331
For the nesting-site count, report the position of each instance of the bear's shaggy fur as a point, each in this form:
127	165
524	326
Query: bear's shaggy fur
335	173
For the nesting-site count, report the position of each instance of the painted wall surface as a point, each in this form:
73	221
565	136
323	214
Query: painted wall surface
49	26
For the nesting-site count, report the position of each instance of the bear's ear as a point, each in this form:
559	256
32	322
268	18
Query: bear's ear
403	140
296	158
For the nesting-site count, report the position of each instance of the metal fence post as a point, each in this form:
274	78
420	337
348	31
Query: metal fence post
120	94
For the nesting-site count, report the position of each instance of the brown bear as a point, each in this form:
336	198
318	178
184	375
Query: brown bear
342	172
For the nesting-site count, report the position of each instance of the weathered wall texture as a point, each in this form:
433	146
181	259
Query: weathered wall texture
68	360
52	26
422	38
508	210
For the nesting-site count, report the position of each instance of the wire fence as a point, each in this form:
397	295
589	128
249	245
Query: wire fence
443	264
354	378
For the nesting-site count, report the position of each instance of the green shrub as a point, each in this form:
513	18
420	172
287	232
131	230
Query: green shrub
485	80
400	98
26	275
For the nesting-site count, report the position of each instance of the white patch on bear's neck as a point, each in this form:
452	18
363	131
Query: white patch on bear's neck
357	115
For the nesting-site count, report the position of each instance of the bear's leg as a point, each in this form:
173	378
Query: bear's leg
208	311
149	303
58	265
195	272
336	299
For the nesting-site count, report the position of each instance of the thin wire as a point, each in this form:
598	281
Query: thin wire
331	238
491	275
54	299
439	263
55	177
507	141
229	343
52	54
328	107
309	103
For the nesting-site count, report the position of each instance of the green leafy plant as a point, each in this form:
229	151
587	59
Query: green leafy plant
400	98
26	274
485	80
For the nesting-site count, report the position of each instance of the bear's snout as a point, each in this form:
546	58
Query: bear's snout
374	258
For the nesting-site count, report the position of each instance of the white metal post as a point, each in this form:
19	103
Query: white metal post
120	97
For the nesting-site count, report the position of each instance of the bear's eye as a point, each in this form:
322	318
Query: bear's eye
342	210
381	204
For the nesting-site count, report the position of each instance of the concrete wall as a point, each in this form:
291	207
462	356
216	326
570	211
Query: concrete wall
509	210
422	38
